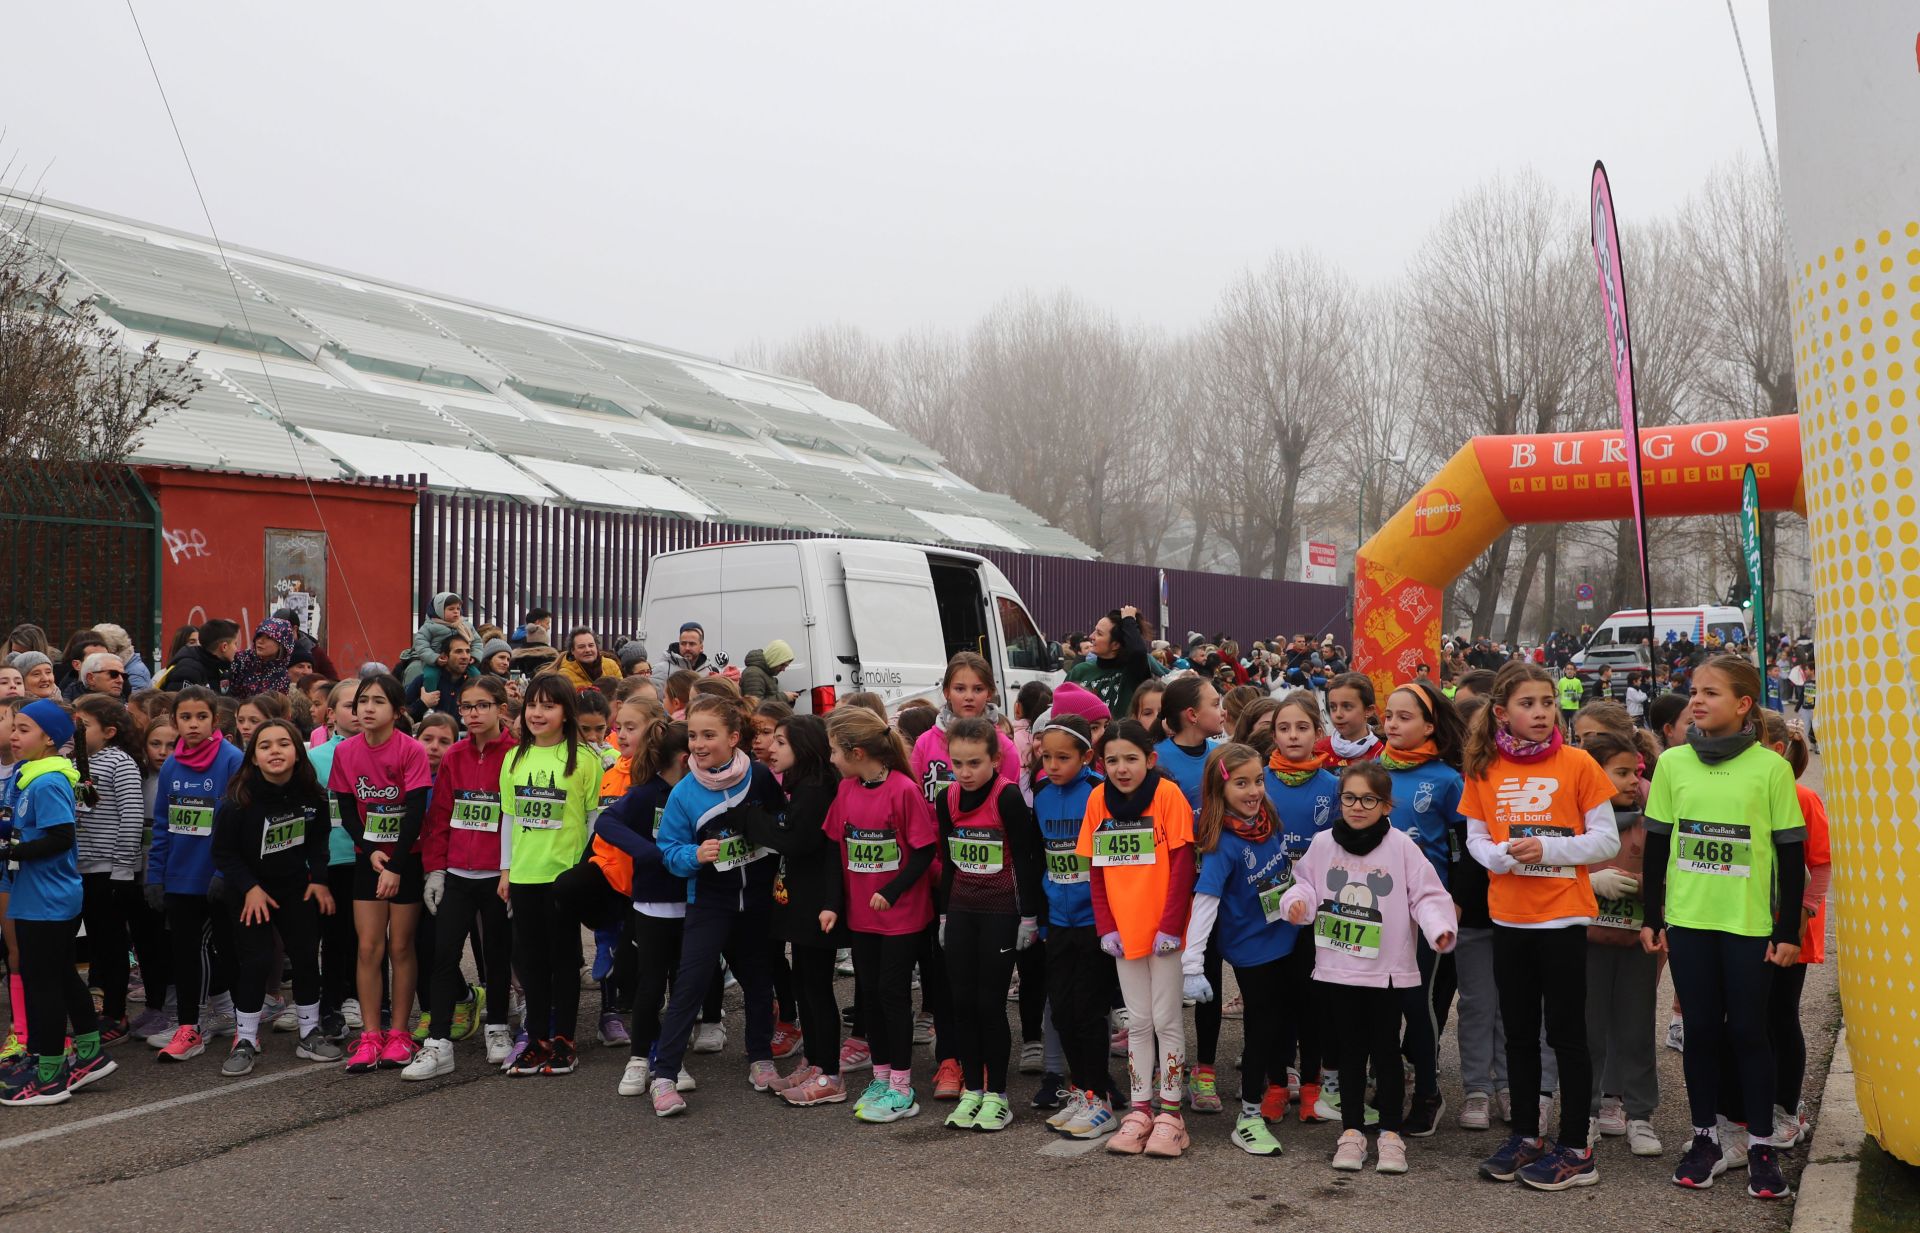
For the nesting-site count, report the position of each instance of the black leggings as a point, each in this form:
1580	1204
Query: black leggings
465	899
1421	1043
1031	963
936	994
1724	981
1532	969
546	952
297	922
1080	983
819	1014
979	950
711	932
1302	1036
105	909
656	941
883	973
1370	1033
152	947
786	1007
1207	1015
56	996
1788	1039
339	943
202	953
1267	1026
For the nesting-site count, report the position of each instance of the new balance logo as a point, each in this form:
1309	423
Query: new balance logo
1528	796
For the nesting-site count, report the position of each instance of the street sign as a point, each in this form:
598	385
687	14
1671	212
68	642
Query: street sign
1318	562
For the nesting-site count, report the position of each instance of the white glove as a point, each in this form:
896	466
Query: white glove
942	935
1197	988
435	891
1028	931
1614	883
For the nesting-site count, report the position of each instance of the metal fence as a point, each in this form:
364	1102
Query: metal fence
79	544
590	567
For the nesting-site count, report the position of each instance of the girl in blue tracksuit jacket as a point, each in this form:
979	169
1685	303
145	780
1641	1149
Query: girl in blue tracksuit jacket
191	784
703	838
1306	799
1080	976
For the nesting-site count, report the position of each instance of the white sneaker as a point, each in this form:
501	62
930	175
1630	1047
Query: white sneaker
1786	1129
710	1038
287	1020
350	1011
1033	1057
843	963
1641	1140
434	1059
633	1080
161	1039
499	1043
1613	1117
1327	1107
1293	1084
1477	1112
1075	1106
1546	1112
1677	1034
922	1030
1733	1144
1504	1099
218	1023
685	1082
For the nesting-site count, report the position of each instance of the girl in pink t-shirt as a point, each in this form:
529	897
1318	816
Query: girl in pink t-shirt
968	690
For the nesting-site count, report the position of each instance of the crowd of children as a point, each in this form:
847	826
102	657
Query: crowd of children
1356	864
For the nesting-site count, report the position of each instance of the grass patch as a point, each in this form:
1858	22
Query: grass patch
1888	1200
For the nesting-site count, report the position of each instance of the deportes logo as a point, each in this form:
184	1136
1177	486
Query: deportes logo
1248	856
1435	512
1528	796
1423	797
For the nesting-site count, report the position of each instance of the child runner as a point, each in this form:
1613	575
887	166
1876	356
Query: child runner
339	942
1138	835
1350	704
381	782
1370	892
548	785
1144	709
460	854
1724	844
152	947
990	892
1622	979
1422	754
1245	871
888	839
436	733
112	835
180	871
703	838
1539	811
39	802
1305	797
1783	1007
659	898
1080	980
270	845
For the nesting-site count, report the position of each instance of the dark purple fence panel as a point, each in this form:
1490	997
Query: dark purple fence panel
589	567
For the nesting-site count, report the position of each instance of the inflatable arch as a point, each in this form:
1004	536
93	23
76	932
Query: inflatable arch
1495	483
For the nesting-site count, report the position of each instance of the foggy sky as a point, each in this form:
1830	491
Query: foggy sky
702	175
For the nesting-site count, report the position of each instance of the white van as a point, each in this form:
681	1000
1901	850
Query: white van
1629	627
859	614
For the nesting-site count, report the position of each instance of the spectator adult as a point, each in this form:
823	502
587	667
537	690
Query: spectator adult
633	658
537	629
1119	662
83	643
496	658
759	680
456	669
690	652
305	648
100	673
139	676
206	662
36	674
266	666
584	666
28	637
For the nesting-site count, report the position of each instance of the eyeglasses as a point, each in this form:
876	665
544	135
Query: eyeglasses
1369	801
474	708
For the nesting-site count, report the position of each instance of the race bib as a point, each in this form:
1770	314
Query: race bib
1348	929
1118	842
1627	913
476	811
1270	892
383	822
977	850
872	851
735	851
284	832
1719	849
540	809
1535	830
190	815
1065	867
333	811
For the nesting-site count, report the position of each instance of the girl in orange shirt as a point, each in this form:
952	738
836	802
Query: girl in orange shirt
1783	1008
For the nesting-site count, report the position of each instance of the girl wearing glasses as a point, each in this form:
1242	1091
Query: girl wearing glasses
1370	894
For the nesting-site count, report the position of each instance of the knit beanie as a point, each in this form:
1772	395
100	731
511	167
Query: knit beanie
27	661
778	654
52	718
1071	699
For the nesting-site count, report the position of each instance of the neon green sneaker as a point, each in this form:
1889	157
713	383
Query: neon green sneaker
889	1106
875	1090
468	1015
15	1050
1250	1135
995	1114
423	1029
966	1111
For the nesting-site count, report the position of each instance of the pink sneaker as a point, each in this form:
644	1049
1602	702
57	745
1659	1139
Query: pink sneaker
1169	1137
786	1083
186	1043
397	1050
763	1075
666	1101
365	1058
1131	1138
818	1090
854	1055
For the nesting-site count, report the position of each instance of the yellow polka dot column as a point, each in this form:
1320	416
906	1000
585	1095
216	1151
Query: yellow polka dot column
1846	92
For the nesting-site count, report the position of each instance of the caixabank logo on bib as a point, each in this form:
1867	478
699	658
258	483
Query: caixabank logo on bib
1435	512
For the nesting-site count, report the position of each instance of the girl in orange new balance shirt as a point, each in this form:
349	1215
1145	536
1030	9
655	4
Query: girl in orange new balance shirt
1538	812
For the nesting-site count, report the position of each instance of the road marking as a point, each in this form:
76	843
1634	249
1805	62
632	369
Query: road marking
1059	1147
173	1102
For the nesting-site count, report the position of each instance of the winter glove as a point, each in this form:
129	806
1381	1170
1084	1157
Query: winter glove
1111	943
1029	930
156	896
1197	988
1166	943
435	891
942	935
1614	883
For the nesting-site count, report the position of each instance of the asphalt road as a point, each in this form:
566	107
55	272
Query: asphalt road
166	1147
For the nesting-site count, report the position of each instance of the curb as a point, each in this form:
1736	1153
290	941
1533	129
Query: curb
1832	1175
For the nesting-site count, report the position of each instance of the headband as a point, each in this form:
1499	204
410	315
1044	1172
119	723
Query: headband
1043	729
